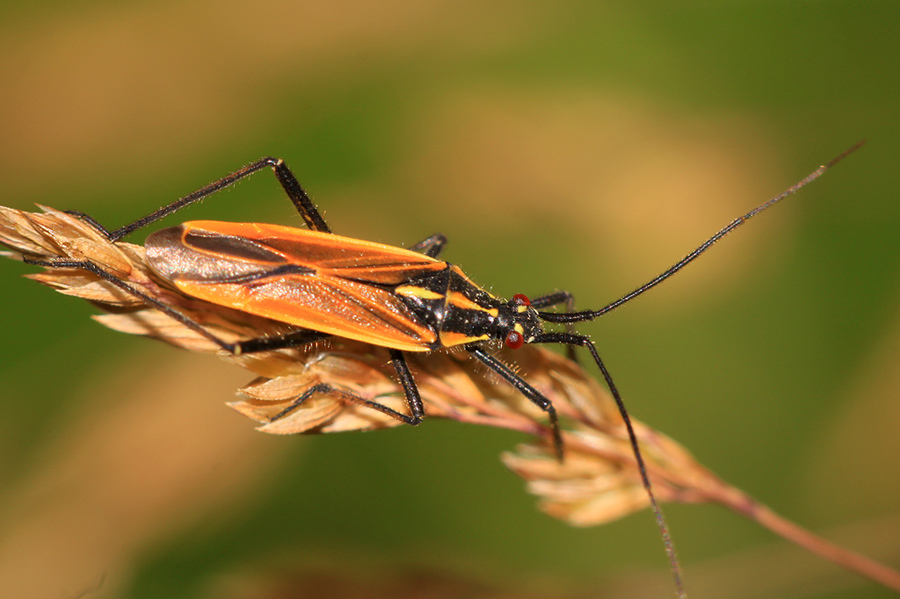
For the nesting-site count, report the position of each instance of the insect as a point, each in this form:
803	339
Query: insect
405	300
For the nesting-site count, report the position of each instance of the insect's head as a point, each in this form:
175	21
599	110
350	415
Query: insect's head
521	323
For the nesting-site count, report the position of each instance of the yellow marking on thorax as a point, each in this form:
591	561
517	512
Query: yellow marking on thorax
460	301
417	292
451	339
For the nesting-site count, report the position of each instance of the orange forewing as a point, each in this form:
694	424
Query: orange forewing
330	254
343	293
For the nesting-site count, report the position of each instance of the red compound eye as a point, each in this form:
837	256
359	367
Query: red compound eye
514	340
521	299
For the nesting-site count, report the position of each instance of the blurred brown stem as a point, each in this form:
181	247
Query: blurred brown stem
738	501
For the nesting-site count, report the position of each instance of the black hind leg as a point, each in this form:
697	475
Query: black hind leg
286	178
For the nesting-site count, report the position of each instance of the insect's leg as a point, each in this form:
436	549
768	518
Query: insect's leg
576	339
431	247
298	196
271	343
288	181
261	344
150	301
554	299
416	409
328	389
533	395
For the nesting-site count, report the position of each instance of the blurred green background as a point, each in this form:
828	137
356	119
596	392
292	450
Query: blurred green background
576	145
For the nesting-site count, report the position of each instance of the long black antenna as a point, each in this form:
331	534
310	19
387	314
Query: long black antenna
570	317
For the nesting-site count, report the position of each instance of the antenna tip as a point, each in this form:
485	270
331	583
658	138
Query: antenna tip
845	153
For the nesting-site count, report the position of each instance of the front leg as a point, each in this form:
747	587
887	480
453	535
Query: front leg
532	394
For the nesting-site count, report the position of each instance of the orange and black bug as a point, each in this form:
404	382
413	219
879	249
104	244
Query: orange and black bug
406	300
